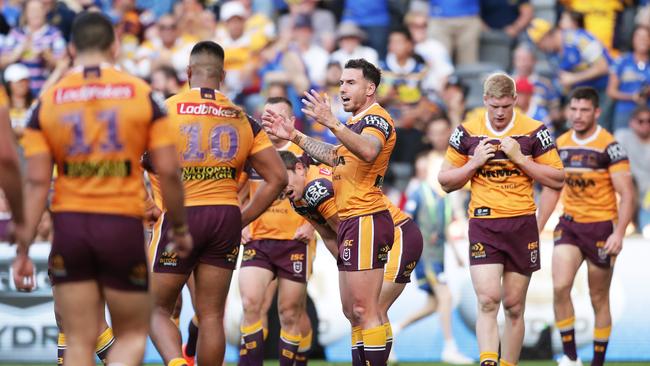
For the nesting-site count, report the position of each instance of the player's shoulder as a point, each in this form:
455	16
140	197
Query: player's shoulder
318	188
320	171
565	139
605	138
474	121
526	125
377	113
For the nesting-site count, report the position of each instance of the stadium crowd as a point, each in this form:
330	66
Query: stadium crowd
434	57
283	48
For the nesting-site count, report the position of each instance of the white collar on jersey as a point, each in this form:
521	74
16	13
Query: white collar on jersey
588	139
364	111
508	127
215	90
102	65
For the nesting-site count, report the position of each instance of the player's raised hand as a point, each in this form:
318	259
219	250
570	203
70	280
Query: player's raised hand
614	244
482	153
22	269
512	149
319	108
277	125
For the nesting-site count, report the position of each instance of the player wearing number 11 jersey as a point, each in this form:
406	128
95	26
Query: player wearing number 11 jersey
214	139
94	124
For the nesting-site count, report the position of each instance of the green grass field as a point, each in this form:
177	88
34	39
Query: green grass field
324	363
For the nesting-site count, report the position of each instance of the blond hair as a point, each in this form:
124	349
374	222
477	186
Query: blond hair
499	85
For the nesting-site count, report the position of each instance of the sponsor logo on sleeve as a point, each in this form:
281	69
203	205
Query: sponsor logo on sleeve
545	138
378	122
316	193
616	152
456	137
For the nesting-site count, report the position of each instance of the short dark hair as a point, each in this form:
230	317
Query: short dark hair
640	109
403	31
290	160
278	100
210	47
92	31
585	92
370	71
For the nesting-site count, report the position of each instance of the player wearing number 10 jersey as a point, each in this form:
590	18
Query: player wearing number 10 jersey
214	138
94	124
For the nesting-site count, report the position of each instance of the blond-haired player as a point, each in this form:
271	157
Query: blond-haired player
501	153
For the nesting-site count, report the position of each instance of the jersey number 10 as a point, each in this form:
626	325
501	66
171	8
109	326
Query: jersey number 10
223	141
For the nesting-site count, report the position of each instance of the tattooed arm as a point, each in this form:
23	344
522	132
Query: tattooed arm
319	150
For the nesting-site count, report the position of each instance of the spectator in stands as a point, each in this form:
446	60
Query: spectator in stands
322	20
600	18
508	16
258	25
60	16
571	20
281	64
456	23
582	60
434	53
16	77
403	75
629	79
165	81
544	104
189	19
349	38
157	7
37	45
453	100
168	47
129	32
11	10
636	141
313	56
208	29
373	17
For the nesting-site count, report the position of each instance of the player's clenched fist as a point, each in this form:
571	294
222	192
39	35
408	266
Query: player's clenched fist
482	153
512	150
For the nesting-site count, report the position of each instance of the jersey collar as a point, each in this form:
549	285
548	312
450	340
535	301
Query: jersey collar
363	111
510	125
589	139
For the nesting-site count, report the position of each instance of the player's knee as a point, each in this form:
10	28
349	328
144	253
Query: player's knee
599	299
561	290
360	312
289	315
488	304
251	304
514	309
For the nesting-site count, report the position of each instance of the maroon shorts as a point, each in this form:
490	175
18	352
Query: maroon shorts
285	258
405	253
364	241
4	229
102	247
511	241
216	233
589	237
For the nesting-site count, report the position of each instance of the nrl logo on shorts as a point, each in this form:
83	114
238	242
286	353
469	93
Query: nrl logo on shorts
297	267
346	254
533	256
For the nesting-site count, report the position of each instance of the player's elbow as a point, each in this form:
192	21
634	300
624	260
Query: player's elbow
557	181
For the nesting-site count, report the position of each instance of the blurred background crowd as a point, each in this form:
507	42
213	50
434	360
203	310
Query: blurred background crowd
434	55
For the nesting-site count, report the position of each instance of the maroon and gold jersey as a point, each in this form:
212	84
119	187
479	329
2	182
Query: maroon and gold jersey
214	138
358	184
95	123
588	194
279	221
318	199
499	188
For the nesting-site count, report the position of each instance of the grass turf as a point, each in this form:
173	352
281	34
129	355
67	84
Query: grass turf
325	363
